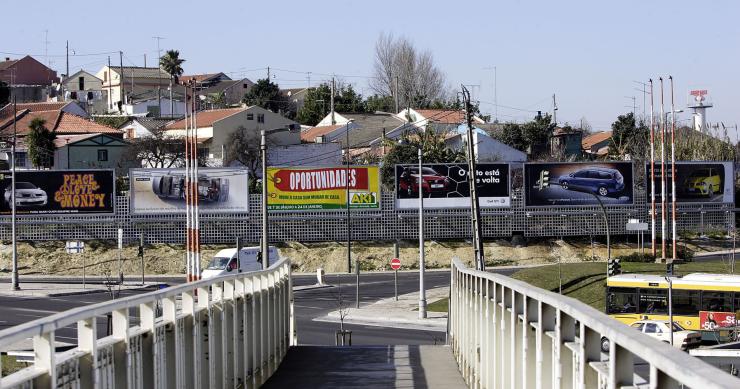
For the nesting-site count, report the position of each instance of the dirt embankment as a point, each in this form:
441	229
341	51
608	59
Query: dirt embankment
101	258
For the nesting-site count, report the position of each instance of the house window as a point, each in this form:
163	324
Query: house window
102	155
250	116
73	95
90	96
260	118
105	76
246	86
20	158
153	111
81	82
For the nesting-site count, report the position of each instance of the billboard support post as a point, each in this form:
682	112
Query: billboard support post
349	204
264	241
663	200
475	206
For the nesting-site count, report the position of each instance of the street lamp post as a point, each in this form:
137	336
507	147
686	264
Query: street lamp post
422	287
670	305
15	279
349	202
265	241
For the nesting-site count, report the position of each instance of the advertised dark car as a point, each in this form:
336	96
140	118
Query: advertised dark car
600	181
432	183
172	186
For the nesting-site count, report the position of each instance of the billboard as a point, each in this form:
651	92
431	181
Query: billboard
59	192
575	184
320	189
696	182
446	185
162	191
709	320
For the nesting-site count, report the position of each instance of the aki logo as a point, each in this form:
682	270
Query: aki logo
364	198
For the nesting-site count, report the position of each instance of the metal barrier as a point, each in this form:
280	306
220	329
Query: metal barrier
508	334
231	331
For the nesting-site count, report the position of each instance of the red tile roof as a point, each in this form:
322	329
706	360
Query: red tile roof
198	77
311	134
61	122
594	139
206	118
445	116
6	112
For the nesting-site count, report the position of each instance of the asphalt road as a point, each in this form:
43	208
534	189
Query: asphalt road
309	304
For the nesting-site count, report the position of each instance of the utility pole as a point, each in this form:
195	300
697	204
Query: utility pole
474	206
495	92
554	110
331	103
66	74
15	280
634	106
644	95
349	202
268	74
159	76
110	86
123	100
422	258
395	95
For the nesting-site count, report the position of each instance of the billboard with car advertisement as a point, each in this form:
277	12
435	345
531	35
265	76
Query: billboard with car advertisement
696	182
162	191
576	184
321	189
445	185
59	192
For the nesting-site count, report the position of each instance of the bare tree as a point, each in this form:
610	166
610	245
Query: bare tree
420	82
159	150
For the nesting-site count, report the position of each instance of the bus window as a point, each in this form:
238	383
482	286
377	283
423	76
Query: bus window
686	302
621	300
653	301
716	302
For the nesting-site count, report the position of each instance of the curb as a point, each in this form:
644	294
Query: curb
311	287
75	293
432	327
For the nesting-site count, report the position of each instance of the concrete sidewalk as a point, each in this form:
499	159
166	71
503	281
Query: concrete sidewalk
42	289
397	314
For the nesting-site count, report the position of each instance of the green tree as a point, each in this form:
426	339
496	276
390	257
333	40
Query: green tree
244	149
4	93
629	138
40	143
171	63
380	103
530	137
267	95
317	103
405	151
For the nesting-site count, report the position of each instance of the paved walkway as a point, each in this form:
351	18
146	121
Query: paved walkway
368	367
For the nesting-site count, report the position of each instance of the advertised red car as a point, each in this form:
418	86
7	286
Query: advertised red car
433	183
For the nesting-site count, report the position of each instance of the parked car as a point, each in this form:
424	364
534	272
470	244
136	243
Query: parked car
172	186
600	181
704	182
433	183
26	195
658	329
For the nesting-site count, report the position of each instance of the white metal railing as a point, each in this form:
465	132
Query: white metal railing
508	334
231	331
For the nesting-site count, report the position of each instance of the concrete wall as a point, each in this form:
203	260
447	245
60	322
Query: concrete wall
141	108
86	157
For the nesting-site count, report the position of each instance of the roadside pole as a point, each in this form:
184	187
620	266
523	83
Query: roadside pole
120	247
265	240
422	287
141	256
670	306
357	279
15	278
238	257
395	265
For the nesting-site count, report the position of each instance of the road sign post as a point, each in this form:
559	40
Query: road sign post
395	265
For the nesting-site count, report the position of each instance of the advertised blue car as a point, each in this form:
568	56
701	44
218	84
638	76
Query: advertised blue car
600	181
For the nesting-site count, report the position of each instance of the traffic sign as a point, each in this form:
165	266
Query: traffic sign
395	263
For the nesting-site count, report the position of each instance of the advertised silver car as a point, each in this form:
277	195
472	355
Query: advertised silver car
172	187
26	195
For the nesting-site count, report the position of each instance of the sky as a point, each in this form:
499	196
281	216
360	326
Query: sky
588	53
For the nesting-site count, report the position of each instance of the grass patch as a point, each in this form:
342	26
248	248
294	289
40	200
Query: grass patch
586	282
439	305
10	365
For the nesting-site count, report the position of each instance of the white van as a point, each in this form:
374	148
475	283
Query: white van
224	262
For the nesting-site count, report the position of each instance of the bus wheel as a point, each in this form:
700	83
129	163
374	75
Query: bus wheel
604	344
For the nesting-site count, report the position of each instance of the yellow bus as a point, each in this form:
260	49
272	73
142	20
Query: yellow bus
700	300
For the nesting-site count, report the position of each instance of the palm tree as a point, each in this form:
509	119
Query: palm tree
171	63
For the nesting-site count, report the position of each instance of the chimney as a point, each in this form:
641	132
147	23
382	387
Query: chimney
7	58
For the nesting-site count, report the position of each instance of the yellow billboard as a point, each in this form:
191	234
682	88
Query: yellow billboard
325	188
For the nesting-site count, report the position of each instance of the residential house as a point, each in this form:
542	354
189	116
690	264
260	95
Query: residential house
90	151
87	91
440	120
121	82
59	120
297	96
30	79
597	145
366	129
566	142
204	81
486	148
153	103
305	154
227	93
215	126
139	127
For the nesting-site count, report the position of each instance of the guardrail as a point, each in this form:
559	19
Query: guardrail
508	334
231	331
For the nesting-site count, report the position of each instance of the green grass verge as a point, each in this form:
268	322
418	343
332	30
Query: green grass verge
439	305
10	365
587	281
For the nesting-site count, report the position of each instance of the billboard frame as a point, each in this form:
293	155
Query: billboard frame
467	207
53	215
668	187
289	211
527	189
201	212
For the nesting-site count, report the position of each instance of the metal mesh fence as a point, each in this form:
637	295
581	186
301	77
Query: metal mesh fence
384	224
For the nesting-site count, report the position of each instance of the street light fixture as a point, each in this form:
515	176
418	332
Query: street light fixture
265	242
